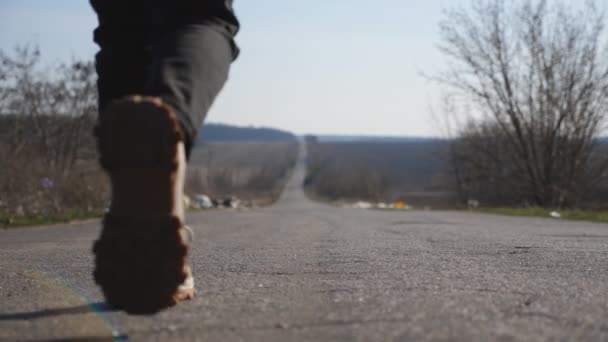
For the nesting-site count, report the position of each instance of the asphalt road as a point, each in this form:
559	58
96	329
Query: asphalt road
303	271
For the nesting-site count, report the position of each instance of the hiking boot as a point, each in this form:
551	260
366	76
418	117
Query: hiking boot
140	256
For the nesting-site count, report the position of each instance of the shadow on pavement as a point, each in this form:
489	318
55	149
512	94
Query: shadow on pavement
86	339
78	310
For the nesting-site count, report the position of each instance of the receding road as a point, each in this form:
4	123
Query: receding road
303	271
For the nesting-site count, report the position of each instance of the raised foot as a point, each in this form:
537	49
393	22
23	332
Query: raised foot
140	257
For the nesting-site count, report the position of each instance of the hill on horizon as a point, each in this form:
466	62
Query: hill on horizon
215	132
337	138
218	132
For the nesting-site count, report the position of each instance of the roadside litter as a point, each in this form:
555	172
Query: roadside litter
202	201
363	205
555	214
399	205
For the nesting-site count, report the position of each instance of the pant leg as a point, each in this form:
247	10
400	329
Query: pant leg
179	51
123	60
189	68
120	72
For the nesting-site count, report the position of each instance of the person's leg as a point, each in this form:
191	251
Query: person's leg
140	256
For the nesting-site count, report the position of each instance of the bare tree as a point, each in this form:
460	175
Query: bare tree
47	151
50	111
536	77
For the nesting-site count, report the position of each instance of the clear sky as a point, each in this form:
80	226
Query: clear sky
315	66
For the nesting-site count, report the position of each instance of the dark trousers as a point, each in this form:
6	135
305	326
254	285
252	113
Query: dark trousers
178	50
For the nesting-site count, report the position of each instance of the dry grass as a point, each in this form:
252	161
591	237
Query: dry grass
379	172
574	215
31	192
253	172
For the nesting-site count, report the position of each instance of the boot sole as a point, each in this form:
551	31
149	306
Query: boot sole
139	261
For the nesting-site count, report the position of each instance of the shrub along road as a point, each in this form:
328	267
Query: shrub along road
305	271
